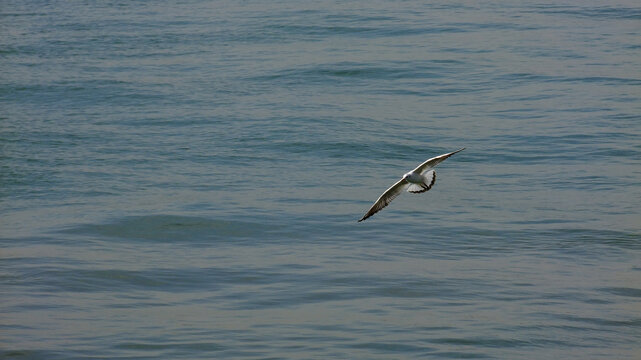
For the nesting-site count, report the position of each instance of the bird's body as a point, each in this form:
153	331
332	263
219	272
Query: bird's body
419	180
414	178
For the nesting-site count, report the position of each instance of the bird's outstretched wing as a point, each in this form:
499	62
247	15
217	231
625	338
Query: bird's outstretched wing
430	163
387	197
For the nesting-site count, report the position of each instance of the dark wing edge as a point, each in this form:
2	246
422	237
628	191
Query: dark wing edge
432	182
387	197
426	185
429	163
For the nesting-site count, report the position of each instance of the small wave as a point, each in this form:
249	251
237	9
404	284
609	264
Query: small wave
171	228
153	346
623	291
31	354
365	71
183	279
530	77
599	13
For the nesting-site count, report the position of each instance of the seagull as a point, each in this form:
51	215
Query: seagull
416	181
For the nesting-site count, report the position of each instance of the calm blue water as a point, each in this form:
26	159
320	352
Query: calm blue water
182	180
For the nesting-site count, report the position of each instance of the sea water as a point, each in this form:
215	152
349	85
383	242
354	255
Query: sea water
183	179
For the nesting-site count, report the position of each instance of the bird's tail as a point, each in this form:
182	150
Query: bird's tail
429	178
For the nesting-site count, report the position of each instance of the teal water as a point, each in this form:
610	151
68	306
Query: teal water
182	180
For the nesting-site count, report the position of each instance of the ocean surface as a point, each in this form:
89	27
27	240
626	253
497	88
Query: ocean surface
183	179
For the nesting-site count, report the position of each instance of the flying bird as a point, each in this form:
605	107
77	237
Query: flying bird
416	181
